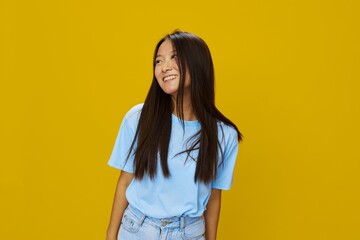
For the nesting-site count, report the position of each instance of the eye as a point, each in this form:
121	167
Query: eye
174	56
157	61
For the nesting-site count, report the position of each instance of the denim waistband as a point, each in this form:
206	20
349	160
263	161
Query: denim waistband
172	222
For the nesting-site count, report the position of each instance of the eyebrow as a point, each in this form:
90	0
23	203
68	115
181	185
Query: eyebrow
159	55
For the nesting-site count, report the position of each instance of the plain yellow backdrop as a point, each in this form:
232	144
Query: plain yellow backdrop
287	73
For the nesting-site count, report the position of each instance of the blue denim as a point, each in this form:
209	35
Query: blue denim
136	226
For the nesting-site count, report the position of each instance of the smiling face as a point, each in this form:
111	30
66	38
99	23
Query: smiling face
167	71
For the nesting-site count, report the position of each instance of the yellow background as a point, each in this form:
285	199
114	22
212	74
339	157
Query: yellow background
287	73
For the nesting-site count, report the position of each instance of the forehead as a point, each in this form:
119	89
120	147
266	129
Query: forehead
165	48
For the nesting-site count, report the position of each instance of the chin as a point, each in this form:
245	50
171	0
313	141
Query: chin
170	91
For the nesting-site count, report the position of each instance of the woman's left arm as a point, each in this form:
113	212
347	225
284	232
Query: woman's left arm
212	214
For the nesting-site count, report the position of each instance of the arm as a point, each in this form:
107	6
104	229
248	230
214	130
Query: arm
119	205
212	214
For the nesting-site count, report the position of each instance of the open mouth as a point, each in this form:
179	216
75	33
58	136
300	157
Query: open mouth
170	77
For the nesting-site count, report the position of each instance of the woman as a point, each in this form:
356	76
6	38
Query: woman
176	151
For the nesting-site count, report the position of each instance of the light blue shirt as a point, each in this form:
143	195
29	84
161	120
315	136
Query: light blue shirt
177	195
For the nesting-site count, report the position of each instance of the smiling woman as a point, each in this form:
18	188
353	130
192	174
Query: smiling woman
167	70
177	151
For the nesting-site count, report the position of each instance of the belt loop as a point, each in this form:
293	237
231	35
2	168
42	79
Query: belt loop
182	223
142	218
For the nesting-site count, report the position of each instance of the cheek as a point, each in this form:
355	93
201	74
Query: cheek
158	81
175	66
157	74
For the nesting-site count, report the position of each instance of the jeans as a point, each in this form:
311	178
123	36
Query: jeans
136	226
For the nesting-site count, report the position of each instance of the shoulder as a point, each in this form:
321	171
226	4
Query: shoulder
227	133
131	118
134	113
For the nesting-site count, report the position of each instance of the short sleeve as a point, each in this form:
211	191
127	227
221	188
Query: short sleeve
226	167
119	156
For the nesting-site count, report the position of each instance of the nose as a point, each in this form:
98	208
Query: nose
166	66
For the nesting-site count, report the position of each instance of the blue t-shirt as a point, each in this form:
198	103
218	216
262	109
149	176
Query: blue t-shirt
177	195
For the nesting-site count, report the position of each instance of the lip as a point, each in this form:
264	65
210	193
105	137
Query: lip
169	75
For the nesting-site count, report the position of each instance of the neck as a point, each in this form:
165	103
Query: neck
188	112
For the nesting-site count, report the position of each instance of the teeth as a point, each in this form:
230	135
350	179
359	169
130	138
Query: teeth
169	77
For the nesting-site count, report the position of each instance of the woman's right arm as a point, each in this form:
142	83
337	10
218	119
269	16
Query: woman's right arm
119	205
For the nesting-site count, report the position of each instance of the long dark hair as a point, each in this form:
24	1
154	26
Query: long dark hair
154	127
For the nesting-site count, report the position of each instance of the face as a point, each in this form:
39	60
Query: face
167	71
